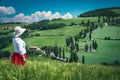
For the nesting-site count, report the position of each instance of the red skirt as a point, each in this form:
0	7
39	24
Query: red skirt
17	59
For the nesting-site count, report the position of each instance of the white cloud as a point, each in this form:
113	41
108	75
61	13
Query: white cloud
37	16
68	15
7	10
55	16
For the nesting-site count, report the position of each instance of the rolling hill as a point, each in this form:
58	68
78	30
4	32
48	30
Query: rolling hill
114	11
108	51
44	68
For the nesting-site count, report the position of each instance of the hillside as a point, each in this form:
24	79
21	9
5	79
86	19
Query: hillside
114	11
43	67
108	50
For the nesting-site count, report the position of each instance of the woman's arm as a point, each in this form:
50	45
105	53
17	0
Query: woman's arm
23	57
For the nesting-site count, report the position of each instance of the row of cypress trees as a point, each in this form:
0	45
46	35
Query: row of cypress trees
54	52
92	46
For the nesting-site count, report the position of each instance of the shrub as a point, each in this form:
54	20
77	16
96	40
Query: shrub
37	34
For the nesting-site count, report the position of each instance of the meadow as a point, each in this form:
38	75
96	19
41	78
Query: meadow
44	68
55	70
108	50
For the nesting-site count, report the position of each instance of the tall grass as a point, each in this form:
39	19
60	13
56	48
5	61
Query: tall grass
54	70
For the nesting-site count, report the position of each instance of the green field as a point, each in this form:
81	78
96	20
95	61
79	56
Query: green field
55	70
44	68
108	50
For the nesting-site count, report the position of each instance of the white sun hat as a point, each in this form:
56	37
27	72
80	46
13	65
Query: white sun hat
18	31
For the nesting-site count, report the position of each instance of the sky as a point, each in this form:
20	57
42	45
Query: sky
36	10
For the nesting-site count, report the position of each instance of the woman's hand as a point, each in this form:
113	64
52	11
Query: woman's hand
23	58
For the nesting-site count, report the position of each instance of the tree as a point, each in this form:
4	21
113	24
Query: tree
67	42
80	34
72	23
82	23
86	48
95	45
90	29
77	47
88	23
101	25
83	60
73	56
89	36
63	54
72	47
71	39
77	38
47	50
90	47
56	52
59	52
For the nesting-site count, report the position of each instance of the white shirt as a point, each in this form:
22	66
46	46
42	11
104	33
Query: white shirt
19	46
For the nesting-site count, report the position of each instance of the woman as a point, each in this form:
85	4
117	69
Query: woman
19	55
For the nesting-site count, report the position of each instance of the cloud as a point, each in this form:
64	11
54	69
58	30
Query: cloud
37	16
68	15
7	10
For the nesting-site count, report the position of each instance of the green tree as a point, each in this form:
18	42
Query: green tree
77	47
63	54
59	52
73	56
89	36
86	48
90	47
83	60
95	45
72	47
56	51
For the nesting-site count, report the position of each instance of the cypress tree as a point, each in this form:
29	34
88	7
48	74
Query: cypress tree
56	51
95	45
86	48
63	54
88	23
59	52
80	34
73	56
67	42
89	36
83	60
82	23
71	39
72	46
90	47
90	29
77	47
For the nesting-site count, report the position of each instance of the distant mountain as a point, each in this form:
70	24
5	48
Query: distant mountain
113	11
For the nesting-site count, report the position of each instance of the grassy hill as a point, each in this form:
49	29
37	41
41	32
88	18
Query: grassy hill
108	50
115	11
43	68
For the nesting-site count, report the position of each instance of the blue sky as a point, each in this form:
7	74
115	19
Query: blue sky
54	8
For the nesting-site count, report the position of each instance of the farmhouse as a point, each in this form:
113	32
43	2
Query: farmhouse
106	24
